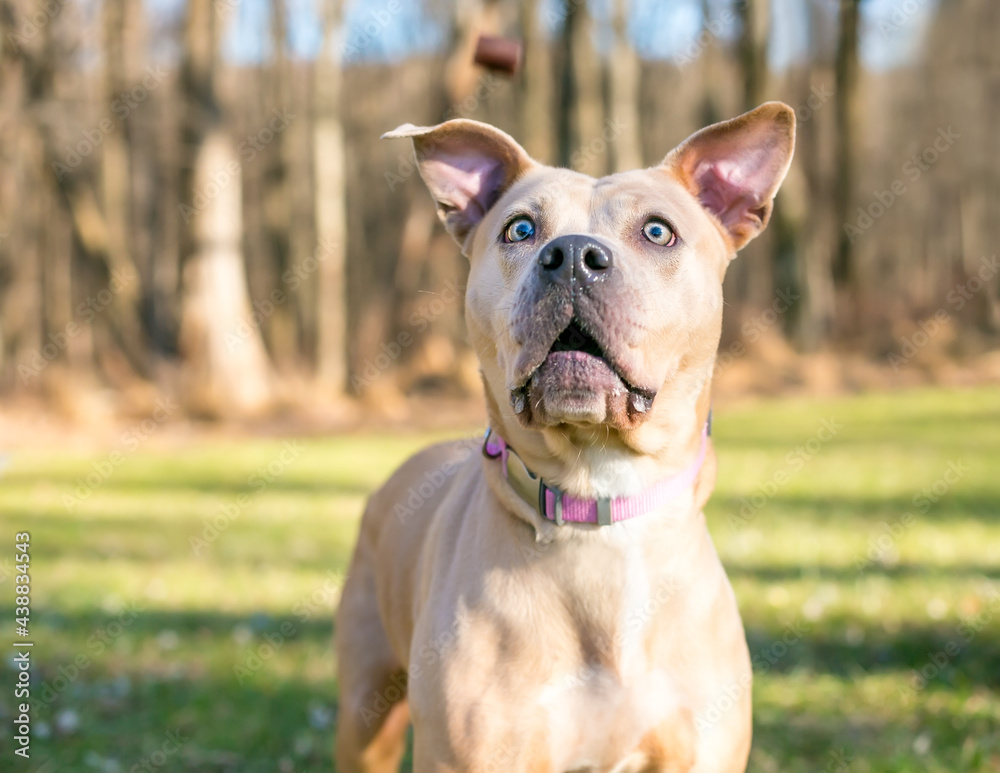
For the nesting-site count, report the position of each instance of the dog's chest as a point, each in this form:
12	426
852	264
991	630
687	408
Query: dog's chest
599	720
600	712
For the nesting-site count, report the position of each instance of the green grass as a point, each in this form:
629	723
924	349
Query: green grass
859	630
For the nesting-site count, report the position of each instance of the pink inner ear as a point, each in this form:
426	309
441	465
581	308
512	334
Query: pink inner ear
733	189
468	182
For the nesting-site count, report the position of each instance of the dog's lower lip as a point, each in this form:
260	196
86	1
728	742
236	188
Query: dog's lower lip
575	342
640	399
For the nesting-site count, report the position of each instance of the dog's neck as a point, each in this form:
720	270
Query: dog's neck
604	463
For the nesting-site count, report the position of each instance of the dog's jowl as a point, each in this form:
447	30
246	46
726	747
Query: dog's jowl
553	602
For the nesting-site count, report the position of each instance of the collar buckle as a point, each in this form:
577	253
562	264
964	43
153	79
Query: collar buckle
557	504
486	445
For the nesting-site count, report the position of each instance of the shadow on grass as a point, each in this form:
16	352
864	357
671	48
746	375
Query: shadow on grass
312	620
724	512
945	654
844	575
260	726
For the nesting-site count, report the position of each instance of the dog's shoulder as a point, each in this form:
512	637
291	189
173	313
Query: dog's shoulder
421	481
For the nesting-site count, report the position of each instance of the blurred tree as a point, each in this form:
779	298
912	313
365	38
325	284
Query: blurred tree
331	205
227	371
116	185
581	102
537	124
278	192
756	22
624	93
848	116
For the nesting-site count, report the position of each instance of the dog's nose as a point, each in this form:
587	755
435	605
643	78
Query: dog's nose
575	257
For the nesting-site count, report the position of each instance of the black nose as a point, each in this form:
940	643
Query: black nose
574	257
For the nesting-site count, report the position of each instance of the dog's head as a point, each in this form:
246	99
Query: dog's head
595	305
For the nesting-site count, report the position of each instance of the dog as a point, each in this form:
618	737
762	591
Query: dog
550	600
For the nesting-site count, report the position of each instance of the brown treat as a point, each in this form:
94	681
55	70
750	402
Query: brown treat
498	54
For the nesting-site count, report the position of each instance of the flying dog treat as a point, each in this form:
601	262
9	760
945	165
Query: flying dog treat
498	54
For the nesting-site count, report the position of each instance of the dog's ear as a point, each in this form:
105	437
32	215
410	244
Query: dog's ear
466	165
735	167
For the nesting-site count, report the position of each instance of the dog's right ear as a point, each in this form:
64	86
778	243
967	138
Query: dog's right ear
466	165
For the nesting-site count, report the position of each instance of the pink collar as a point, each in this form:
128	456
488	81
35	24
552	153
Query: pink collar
560	507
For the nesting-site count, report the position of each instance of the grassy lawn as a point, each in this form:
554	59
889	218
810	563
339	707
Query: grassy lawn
865	553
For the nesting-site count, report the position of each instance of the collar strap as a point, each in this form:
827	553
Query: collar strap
560	507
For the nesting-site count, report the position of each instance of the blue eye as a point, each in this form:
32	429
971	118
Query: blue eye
659	232
519	229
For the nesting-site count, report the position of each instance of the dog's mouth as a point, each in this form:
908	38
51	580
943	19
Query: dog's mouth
575	339
579	381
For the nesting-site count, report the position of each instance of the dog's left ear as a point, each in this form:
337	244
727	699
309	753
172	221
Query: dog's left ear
735	167
466	165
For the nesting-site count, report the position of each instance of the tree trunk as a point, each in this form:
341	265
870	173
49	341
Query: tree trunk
581	111
761	263
536	89
756	18
115	190
590	154
624	86
227	370
281	332
817	227
846	101
330	206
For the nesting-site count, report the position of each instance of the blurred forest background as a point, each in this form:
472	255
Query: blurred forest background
195	204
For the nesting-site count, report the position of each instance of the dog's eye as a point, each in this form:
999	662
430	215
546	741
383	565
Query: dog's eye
519	229
659	232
